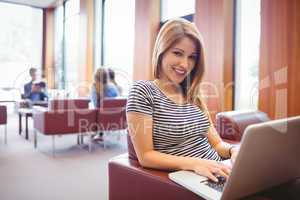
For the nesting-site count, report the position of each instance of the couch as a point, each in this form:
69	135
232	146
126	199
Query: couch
64	117
129	181
3	121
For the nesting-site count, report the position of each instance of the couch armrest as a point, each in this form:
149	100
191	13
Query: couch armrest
3	115
129	181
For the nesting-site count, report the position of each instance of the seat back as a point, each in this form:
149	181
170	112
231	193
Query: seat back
231	125
3	114
58	122
112	114
114	103
67	104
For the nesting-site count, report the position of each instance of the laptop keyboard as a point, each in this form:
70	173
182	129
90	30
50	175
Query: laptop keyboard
219	186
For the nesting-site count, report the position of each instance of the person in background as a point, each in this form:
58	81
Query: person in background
34	90
111	75
169	124
101	87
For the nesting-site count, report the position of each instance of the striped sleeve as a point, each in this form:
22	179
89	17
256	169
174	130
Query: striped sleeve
140	99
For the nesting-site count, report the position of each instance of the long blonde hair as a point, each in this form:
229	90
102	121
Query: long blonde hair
171	33
100	81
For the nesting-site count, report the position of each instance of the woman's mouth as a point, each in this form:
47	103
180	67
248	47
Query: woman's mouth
179	71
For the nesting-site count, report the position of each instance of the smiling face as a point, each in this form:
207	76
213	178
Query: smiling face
178	61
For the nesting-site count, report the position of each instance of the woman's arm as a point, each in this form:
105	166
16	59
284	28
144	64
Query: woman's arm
140	129
224	149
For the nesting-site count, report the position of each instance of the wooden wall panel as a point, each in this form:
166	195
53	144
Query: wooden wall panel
214	19
48	46
86	48
279	58
294	58
147	18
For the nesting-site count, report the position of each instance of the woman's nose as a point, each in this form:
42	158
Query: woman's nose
184	62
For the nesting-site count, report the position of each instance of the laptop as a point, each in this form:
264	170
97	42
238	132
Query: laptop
268	156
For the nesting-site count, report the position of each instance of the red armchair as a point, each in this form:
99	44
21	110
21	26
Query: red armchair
231	125
129	181
3	121
111	116
61	122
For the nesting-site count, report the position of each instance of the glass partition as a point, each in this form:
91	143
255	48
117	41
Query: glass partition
119	40
247	54
20	47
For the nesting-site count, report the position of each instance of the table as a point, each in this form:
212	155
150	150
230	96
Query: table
27	112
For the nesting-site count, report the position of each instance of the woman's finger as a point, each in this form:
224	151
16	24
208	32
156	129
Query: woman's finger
210	175
226	169
220	172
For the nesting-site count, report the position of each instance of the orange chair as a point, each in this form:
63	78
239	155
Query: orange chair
3	120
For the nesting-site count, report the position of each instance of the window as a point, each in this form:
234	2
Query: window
247	54
71	43
98	33
59	47
176	8
20	47
119	40
66	47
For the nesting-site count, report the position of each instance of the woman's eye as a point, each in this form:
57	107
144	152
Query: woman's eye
177	53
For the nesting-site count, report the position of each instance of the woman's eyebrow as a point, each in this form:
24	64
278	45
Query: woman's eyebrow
176	48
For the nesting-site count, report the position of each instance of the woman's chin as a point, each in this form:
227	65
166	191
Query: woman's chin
178	80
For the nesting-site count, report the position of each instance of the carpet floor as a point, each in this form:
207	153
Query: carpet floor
74	173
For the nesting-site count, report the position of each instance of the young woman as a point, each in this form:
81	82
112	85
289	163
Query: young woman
101	88
168	122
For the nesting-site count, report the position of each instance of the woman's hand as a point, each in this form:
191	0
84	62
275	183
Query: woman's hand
233	152
211	169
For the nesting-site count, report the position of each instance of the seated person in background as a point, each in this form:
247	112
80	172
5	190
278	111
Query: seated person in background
34	90
111	76
168	122
101	87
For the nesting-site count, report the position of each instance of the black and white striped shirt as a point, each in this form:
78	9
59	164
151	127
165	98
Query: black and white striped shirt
179	130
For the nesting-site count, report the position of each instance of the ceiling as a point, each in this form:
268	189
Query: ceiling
34	3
